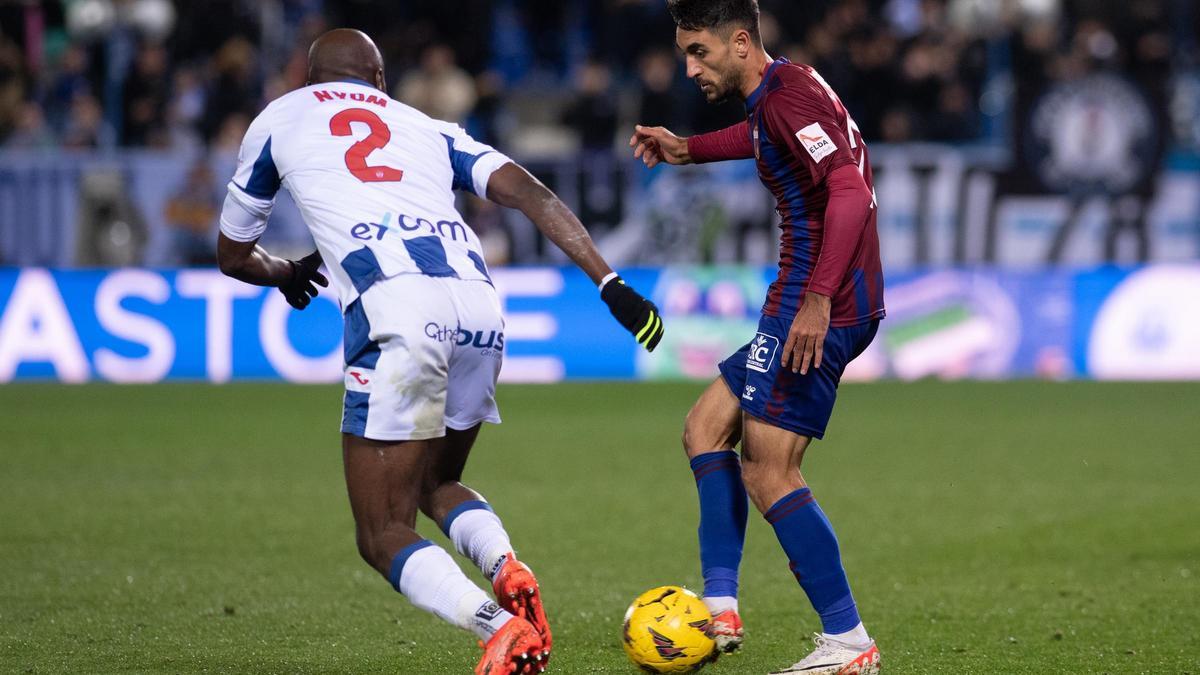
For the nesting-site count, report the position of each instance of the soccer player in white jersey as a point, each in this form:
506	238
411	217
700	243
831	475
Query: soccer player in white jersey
424	337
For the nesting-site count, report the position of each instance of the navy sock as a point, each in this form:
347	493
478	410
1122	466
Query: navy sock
808	539
723	509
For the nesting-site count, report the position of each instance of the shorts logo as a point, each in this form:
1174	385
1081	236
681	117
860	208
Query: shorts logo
762	352
748	394
818	143
490	343
440	333
359	379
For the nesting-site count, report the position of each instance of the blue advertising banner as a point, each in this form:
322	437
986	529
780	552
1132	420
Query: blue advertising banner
138	325
1139	324
135	325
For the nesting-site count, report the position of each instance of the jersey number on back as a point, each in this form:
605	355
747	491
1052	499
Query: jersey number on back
356	156
852	131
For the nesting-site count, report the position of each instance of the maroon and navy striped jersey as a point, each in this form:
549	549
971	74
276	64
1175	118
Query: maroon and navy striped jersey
801	132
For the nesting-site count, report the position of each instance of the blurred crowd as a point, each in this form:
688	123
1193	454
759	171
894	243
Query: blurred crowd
162	74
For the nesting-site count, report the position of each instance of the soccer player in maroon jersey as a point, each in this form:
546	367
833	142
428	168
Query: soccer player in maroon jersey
776	394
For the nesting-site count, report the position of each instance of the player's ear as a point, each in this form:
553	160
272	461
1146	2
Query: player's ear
740	47
380	82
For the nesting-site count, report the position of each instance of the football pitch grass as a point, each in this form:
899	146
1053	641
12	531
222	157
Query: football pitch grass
987	528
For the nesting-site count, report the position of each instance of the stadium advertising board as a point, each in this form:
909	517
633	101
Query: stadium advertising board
138	325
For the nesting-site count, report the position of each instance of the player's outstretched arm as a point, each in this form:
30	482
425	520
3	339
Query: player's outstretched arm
512	186
247	261
653	145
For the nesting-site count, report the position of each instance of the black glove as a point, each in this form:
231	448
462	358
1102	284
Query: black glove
637	314
299	290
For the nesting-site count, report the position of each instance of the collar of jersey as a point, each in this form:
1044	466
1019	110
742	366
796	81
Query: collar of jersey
354	80
758	93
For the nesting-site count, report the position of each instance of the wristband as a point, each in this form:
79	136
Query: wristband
607	278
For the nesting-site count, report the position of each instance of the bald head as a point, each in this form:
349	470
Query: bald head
344	54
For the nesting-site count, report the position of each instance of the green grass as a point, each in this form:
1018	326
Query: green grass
987	528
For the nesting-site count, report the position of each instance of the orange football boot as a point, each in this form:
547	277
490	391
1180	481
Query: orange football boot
726	630
517	591
515	648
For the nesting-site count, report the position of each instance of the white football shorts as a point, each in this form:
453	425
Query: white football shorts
422	354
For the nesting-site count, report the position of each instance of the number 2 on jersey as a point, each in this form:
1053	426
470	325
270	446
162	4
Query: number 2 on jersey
356	156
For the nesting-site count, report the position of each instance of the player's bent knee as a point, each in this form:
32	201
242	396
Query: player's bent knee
366	546
695	441
688	438
699	439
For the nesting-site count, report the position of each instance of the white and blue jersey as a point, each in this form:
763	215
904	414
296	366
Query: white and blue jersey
374	180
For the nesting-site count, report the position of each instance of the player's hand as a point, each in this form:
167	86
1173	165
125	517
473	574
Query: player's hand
656	144
302	287
638	315
806	339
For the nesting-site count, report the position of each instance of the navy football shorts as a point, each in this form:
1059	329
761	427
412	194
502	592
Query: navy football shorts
799	403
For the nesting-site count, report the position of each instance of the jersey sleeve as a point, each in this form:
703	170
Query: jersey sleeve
473	162
805	120
729	143
253	187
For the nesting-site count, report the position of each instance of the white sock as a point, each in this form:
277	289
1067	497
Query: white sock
720	603
432	581
855	637
479	535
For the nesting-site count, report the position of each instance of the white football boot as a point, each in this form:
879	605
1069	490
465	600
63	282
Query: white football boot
835	658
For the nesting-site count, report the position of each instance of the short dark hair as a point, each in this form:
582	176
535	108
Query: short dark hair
716	15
